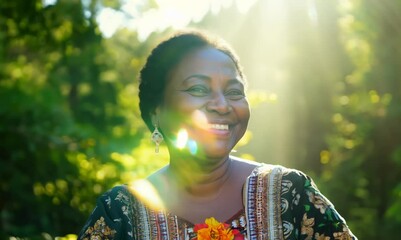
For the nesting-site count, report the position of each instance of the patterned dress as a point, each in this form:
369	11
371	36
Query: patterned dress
279	203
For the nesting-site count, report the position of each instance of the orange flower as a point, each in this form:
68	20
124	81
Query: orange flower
214	230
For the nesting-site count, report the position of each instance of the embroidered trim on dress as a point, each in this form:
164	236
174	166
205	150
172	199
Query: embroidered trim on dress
143	221
274	204
262	200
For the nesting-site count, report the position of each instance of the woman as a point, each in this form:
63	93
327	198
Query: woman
192	96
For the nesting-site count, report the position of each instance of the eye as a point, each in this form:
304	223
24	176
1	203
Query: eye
235	94
198	91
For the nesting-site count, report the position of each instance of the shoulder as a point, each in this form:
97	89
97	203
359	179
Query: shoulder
119	191
288	178
297	177
243	169
111	217
116	198
284	172
243	165
279	172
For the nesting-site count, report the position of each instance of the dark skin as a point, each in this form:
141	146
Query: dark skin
205	98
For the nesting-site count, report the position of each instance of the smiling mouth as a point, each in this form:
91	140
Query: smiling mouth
219	126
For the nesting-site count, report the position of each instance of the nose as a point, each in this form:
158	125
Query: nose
218	103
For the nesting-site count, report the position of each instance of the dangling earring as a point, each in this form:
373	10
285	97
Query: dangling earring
157	138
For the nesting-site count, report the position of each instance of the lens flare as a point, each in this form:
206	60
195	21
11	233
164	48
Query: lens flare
182	139
147	193
192	147
183	142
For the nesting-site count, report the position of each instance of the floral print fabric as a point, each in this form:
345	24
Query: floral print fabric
306	213
280	203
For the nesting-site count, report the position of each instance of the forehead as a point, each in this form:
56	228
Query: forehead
208	61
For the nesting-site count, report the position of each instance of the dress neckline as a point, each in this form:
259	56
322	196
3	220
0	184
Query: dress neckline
188	223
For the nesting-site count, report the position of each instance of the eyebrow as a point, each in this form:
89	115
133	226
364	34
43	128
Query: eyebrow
207	78
236	81
199	76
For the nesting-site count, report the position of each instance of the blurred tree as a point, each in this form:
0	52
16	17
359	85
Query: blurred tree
69	118
365	143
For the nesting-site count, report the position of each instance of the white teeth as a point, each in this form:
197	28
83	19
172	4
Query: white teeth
219	126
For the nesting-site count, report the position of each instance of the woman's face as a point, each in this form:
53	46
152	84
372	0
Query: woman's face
204	107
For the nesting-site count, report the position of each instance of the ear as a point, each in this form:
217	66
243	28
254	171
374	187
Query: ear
154	116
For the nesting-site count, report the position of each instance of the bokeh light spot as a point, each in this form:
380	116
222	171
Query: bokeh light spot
374	97
193	147
324	157
182	139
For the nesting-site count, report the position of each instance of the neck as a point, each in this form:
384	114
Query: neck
199	178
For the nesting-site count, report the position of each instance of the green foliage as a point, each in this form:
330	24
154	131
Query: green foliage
364	143
69	118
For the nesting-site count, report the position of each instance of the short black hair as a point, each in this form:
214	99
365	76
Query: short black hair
167	55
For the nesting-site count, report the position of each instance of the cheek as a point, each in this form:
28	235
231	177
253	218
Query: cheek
183	106
243	111
178	113
182	102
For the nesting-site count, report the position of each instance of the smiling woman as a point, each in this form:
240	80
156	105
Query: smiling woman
193	95
206	81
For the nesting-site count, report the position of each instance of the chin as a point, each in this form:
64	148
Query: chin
217	152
